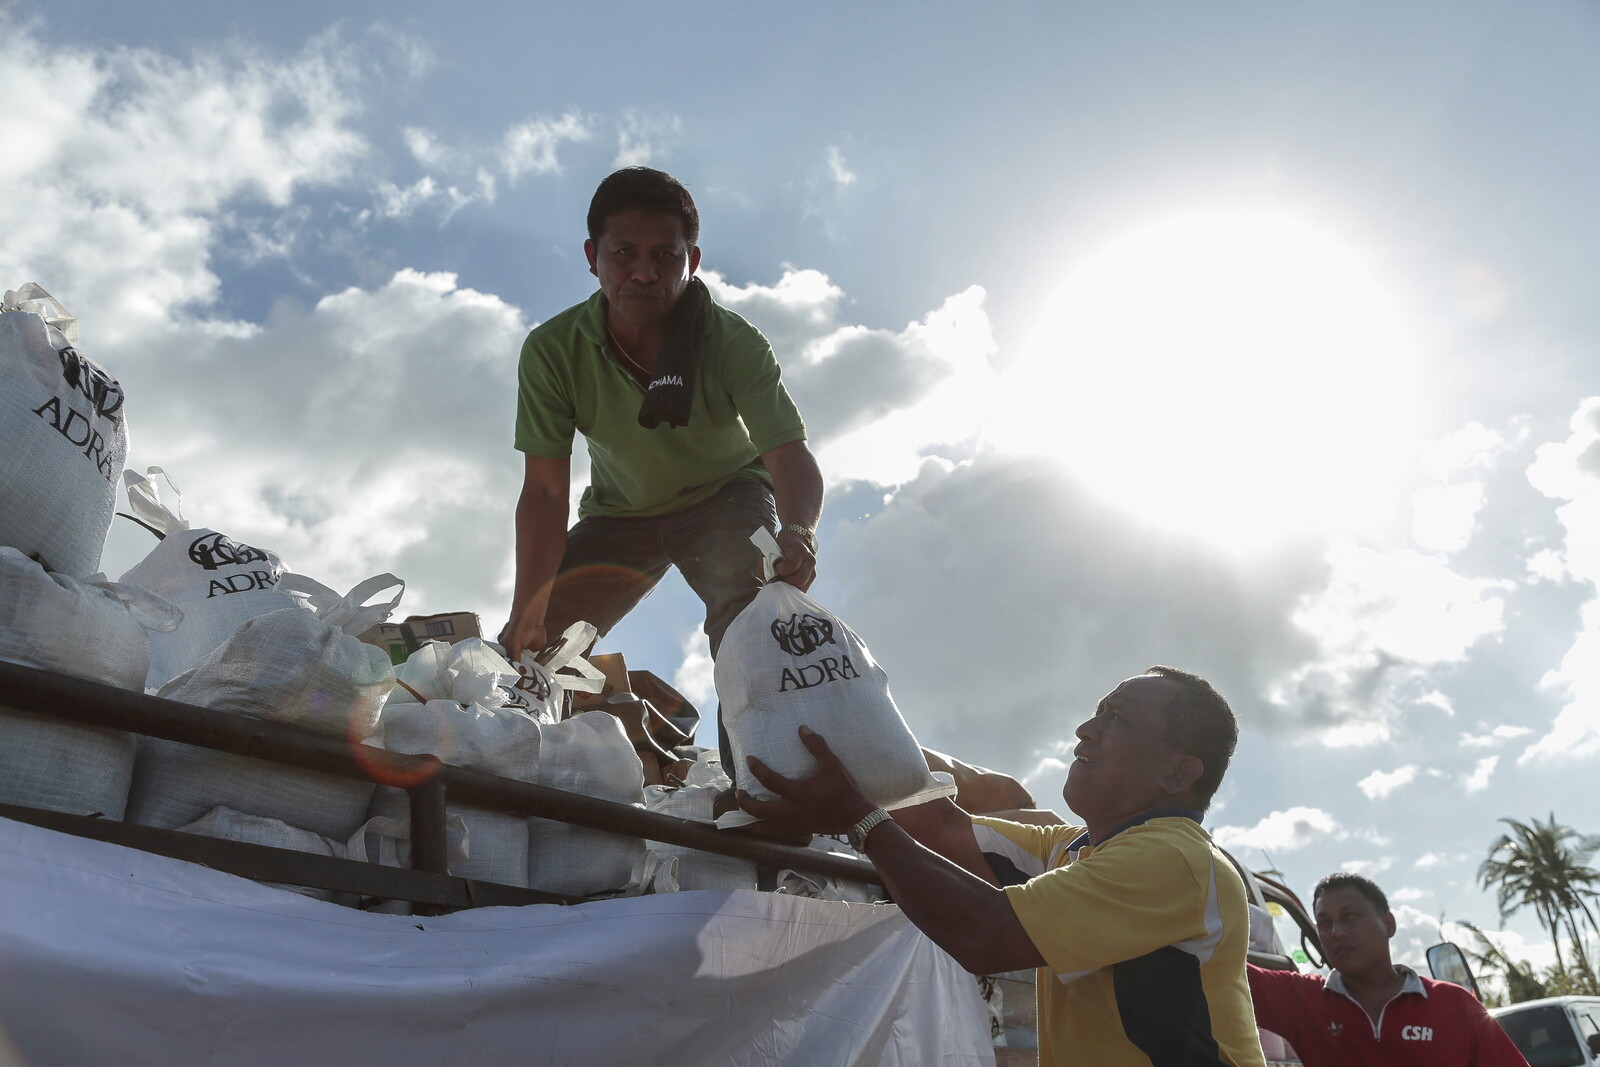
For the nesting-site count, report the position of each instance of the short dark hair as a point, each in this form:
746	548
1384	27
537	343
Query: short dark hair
643	189
1201	724
1345	880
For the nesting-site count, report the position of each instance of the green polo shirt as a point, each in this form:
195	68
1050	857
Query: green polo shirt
569	382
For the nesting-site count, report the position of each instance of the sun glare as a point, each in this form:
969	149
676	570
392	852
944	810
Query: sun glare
1239	375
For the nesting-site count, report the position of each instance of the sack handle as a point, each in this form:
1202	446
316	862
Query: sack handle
144	499
351	612
565	654
148	610
32	298
770	552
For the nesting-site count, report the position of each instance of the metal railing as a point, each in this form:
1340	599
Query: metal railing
428	782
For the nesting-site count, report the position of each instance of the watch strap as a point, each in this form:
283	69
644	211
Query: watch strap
871	821
807	535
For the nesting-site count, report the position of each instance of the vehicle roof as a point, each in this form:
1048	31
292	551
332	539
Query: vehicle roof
1571	998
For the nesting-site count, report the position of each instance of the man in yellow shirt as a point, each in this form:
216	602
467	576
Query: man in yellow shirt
1137	923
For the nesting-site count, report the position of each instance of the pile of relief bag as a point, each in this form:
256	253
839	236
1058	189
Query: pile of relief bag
212	621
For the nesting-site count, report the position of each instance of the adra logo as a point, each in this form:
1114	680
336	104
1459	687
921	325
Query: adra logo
801	635
212	551
96	386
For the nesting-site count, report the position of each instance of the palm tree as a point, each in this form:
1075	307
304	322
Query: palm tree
1545	866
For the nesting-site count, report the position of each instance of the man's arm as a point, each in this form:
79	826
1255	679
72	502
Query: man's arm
1272	993
959	911
541	541
797	491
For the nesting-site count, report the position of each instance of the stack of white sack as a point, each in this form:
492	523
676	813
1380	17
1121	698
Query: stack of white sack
62	437
589	754
230	825
826	886
786	662
293	666
219	583
90	629
673	868
452	701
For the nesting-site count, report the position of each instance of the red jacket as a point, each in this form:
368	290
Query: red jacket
1427	1024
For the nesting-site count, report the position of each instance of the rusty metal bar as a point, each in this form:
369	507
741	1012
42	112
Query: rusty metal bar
81	701
268	864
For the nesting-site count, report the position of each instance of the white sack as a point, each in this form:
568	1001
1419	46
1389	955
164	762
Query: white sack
465	722
219	583
678	866
230	825
299	667
590	754
470	671
87	629
63	437
494	845
290	666
387	841
786	662
115	956
550	673
174	784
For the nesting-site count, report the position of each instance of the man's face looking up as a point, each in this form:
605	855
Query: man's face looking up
644	263
1122	754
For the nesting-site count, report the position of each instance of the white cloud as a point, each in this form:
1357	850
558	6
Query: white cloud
841	172
1435	859
1406	604
1436	699
874	401
1407	894
1570	470
396	203
531	147
1443	517
120	162
1495	737
643	139
695	675
1367	867
425	149
1379	784
1478	780
1282	830
1472	448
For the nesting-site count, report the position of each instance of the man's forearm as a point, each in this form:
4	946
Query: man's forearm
796	484
966	916
541	528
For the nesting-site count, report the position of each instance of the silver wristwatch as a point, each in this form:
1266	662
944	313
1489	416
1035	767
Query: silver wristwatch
858	832
808	536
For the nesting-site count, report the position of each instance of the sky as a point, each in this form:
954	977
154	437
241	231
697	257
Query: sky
1254	339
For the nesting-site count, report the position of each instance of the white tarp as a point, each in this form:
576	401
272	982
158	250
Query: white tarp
113	956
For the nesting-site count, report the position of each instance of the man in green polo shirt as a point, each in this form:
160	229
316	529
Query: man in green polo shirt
693	440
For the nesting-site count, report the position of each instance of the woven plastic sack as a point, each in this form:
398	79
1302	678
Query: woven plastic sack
785	662
87	629
559	669
229	825
449	702
299	667
219	583
174	784
494	845
290	666
63	437
589	754
678	867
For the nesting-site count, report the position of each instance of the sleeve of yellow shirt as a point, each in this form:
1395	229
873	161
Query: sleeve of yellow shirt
1132	895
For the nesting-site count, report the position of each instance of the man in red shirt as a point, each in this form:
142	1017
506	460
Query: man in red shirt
1371	1011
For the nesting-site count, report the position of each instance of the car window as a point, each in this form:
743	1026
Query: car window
1588	1019
1544	1036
